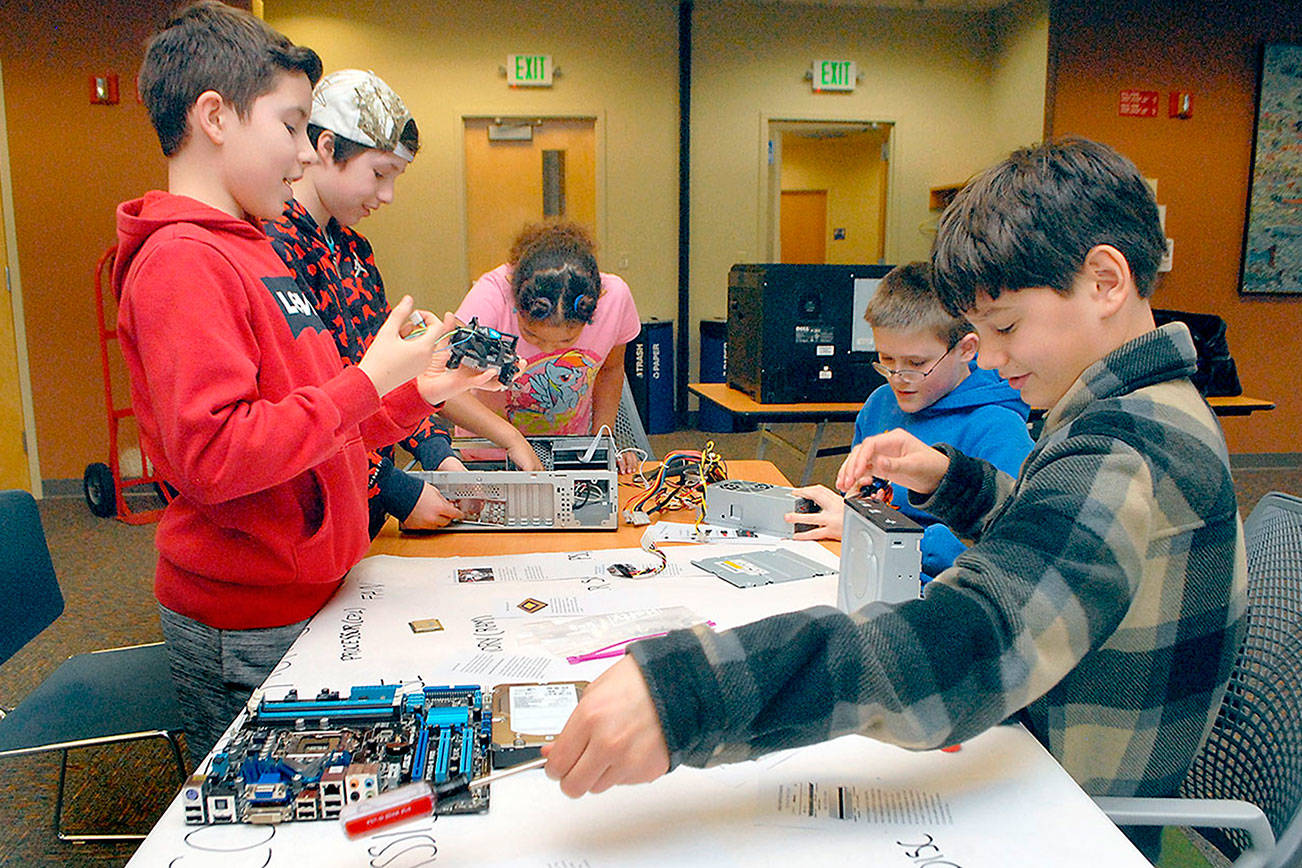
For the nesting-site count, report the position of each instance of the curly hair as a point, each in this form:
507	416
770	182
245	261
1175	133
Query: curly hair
554	272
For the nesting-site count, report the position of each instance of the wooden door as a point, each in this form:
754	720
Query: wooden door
13	454
505	183
804	226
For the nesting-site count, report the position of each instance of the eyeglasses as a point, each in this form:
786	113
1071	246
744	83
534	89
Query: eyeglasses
909	376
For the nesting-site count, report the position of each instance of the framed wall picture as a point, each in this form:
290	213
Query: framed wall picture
1272	240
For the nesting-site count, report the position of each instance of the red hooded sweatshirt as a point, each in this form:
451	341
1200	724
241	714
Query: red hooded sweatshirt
246	409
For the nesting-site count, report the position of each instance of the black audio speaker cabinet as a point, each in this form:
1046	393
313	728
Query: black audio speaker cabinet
796	333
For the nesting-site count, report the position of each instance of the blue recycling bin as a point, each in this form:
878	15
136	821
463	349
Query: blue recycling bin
714	369
649	367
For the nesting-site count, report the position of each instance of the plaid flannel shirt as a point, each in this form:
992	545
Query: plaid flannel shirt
1101	604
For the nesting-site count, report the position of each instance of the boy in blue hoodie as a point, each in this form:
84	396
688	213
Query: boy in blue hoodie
935	391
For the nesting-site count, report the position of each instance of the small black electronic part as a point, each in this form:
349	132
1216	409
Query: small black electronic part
484	347
879	489
805	506
633	571
527	716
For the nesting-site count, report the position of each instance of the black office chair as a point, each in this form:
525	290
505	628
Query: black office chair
1244	789
98	698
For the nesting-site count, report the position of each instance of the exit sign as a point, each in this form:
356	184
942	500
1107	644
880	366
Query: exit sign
529	70
835	75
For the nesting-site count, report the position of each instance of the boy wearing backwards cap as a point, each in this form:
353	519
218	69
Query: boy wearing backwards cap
364	137
243	404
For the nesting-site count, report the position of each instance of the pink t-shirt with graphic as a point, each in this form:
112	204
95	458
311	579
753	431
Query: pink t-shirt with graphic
553	394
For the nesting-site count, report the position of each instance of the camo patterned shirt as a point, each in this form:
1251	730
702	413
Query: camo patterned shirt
336	267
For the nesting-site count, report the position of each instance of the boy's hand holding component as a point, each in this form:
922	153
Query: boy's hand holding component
897	456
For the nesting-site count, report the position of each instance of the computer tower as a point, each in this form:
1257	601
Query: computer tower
796	333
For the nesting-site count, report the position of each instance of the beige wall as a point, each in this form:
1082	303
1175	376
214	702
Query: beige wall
618	62
933	74
1017	80
930	73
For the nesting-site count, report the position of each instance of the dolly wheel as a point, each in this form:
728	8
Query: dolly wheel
101	492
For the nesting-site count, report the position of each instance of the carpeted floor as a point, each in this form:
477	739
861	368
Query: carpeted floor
105	570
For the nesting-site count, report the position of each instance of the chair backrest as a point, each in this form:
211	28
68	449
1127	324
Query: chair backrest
1254	751
629	432
27	582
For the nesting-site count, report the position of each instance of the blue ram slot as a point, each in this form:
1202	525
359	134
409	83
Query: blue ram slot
373	693
445	750
315	705
467	750
378	713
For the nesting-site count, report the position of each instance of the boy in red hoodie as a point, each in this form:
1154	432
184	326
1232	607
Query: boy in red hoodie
243	402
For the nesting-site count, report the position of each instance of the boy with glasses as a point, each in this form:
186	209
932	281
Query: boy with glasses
933	390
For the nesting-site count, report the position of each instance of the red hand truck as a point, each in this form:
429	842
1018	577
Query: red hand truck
104	484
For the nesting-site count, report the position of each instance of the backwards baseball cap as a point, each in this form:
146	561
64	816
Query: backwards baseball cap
357	105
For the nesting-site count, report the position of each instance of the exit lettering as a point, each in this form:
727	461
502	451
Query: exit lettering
836	75
529	70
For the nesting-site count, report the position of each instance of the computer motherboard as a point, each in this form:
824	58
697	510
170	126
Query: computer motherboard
304	759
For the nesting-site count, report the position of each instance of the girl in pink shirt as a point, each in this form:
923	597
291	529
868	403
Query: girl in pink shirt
573	322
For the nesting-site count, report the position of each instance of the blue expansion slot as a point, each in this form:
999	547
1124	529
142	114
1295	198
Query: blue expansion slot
445	751
418	758
467	751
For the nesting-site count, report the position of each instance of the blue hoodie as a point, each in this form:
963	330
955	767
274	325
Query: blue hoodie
982	417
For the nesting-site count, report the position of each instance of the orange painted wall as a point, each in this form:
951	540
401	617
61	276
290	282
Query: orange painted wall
72	162
1202	165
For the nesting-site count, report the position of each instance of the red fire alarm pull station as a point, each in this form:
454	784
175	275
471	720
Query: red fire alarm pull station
104	89
1181	104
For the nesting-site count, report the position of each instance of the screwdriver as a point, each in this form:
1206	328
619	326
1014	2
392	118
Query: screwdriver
416	800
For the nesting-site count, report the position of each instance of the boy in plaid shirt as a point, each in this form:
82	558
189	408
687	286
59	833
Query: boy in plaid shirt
1101	602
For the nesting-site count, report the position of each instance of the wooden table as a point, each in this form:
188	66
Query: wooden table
1239	405
741	406
492	542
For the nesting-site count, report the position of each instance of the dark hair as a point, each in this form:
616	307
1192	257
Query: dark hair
345	149
1030	221
906	300
555	272
211	46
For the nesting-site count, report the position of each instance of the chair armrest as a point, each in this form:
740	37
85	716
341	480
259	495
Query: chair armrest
1209	813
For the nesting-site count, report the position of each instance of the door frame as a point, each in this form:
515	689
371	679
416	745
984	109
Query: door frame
598	118
16	302
769	178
